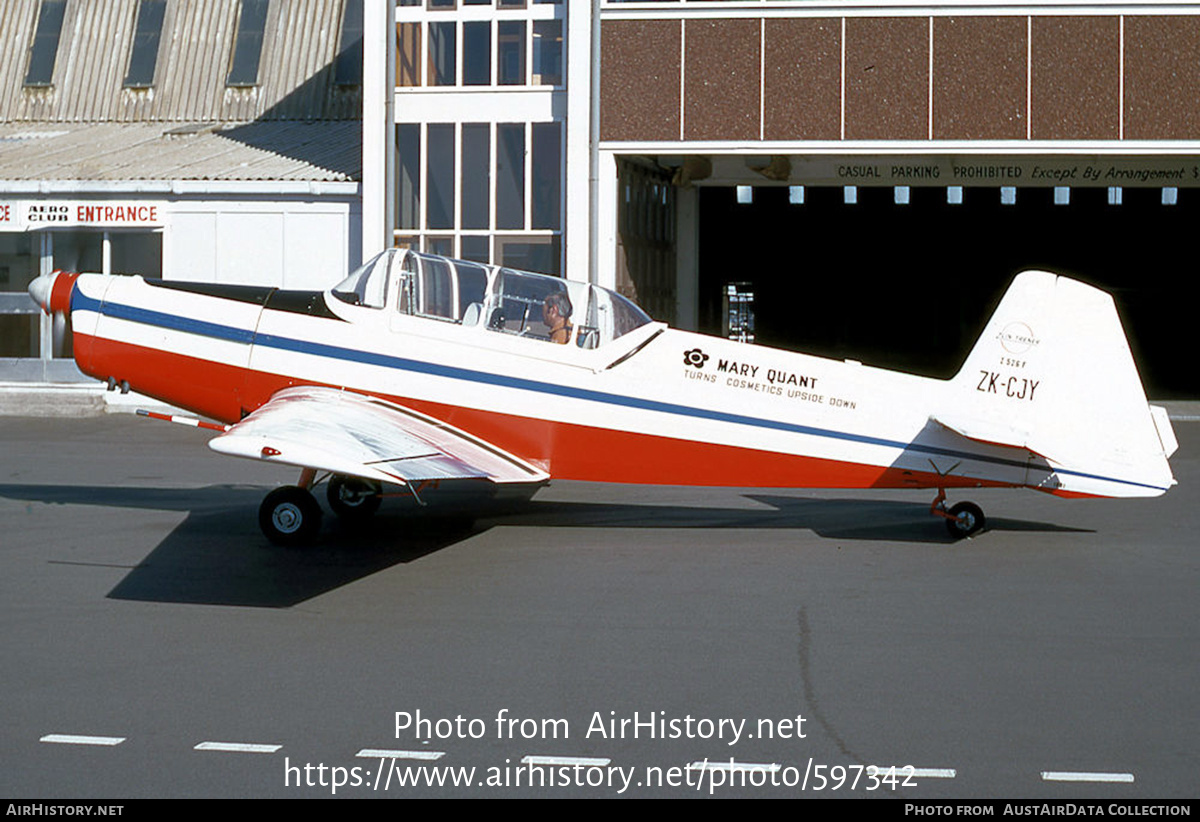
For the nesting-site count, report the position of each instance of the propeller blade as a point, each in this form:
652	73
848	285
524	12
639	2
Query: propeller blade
59	330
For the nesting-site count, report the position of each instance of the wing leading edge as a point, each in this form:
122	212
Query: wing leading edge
332	430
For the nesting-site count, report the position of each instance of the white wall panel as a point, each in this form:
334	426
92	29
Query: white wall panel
315	250
291	244
190	246
250	248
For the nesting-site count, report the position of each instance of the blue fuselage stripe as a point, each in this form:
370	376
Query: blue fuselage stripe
218	331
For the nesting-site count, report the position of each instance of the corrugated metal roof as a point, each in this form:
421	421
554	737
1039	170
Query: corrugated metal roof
263	150
295	72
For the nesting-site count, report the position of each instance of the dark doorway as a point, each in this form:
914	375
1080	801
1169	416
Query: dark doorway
910	286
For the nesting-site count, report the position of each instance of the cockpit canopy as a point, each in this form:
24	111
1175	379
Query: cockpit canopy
502	300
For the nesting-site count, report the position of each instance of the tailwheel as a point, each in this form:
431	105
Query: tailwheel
353	499
290	516
965	519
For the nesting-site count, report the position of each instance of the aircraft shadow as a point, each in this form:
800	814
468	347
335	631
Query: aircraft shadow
217	555
844	519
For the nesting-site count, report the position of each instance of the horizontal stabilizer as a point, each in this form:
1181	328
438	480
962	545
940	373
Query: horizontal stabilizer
989	433
1166	434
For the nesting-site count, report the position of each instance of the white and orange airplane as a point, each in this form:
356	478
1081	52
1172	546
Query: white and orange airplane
419	369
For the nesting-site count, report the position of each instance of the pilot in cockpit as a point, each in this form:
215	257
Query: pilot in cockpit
556	314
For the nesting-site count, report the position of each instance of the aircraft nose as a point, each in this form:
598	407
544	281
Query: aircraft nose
53	291
41	288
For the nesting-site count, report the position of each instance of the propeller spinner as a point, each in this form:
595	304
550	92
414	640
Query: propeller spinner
53	293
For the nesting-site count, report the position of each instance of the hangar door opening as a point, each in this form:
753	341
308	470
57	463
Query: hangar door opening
910	286
646	238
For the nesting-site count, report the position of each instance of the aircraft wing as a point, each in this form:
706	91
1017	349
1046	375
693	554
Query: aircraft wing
362	436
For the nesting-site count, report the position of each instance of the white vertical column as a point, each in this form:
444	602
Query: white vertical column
581	109
379	127
45	341
389	120
607	201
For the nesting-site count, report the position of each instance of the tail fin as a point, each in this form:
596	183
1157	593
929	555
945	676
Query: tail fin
1052	372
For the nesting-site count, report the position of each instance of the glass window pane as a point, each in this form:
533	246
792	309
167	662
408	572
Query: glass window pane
45	43
247	49
406	282
519	306
472	285
477	53
136	252
19	335
439	176
540	254
510	175
408	54
476	248
476	174
19	260
510	53
408	169
437	288
79	250
441	54
367	284
547	53
348	69
547	175
144	54
609	316
440	245
626	315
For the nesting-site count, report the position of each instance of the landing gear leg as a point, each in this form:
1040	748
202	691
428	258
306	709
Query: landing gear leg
963	519
290	515
353	499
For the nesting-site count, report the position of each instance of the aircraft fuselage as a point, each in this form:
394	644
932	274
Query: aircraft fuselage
652	405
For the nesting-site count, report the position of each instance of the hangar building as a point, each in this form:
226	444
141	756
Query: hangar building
856	179
203	140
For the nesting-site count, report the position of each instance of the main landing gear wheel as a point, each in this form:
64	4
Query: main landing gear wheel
290	516
966	519
353	499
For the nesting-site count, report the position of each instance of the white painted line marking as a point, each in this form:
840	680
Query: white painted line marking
237	747
78	739
381	753
584	761
1085	776
734	766
915	773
